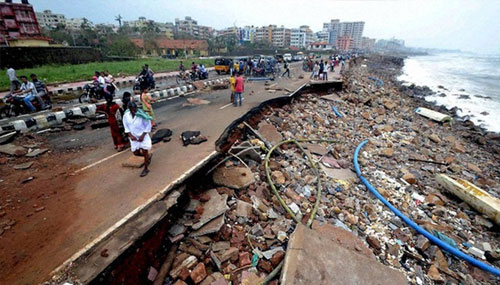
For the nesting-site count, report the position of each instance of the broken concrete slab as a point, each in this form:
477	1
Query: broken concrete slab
331	97
312	258
216	206
344	238
269	132
221	245
233	177
211	227
341	174
23	166
316	149
12	149
37	152
243	209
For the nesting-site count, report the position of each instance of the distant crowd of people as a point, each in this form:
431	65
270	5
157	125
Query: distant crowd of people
319	69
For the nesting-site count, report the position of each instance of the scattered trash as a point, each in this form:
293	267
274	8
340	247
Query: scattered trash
433	115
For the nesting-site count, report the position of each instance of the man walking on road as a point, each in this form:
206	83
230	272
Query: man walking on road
238	89
14	82
137	126
287	70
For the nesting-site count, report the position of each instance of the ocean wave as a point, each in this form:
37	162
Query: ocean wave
469	82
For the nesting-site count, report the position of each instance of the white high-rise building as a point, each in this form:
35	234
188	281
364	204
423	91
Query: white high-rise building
338	29
50	20
298	38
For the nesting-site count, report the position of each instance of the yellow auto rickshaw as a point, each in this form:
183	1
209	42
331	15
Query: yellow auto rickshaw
222	65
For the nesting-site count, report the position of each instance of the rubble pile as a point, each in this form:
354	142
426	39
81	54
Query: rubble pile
237	231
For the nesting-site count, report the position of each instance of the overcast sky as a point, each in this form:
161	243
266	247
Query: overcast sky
471	25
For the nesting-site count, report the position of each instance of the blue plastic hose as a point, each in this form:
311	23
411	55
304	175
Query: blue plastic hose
418	228
337	113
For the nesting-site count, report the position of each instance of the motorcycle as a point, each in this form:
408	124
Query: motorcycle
140	84
183	77
90	92
15	106
202	75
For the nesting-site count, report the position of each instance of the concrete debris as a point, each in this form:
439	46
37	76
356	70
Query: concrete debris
354	236
269	132
233	177
213	208
312	259
37	152
12	150
23	166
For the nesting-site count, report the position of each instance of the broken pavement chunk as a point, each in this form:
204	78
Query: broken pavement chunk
313	259
37	152
233	177
211	227
269	132
12	149
23	166
213	208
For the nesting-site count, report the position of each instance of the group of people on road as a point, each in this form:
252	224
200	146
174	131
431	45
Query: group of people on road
130	125
319	69
196	72
259	67
31	95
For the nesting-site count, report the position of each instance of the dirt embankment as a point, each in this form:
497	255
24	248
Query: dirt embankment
37	205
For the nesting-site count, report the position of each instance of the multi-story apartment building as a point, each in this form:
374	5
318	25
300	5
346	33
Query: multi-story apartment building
367	43
298	38
49	20
140	24
187	26
344	43
264	34
354	30
301	37
280	37
206	32
78	23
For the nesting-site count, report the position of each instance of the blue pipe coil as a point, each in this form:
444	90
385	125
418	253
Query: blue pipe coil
418	228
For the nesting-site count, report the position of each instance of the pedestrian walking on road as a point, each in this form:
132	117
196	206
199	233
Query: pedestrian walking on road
232	83
137	126
287	70
14	82
321	70
238	90
278	68
113	114
147	105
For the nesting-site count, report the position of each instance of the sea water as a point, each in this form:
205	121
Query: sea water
468	81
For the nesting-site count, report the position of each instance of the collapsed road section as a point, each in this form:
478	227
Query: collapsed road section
284	203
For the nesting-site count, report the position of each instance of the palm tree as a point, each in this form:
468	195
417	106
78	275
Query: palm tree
119	19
